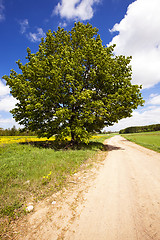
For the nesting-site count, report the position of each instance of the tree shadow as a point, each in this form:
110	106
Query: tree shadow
112	148
67	145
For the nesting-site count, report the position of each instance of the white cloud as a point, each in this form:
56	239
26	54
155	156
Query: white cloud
62	24
75	9
8	123
7	103
153	95
24	24
4	90
148	116
36	37
155	100
33	37
139	36
2	16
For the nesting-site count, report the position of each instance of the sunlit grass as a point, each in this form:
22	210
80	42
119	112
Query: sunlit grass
31	172
149	140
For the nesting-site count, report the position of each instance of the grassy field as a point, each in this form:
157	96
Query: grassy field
149	140
32	169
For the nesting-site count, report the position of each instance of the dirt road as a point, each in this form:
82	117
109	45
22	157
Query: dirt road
124	202
121	203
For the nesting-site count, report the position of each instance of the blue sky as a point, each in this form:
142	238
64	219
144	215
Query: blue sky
132	25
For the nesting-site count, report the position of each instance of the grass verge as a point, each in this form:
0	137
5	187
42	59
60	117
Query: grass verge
30	172
149	140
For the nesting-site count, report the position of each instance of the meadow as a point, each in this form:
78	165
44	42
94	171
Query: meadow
33	168
149	140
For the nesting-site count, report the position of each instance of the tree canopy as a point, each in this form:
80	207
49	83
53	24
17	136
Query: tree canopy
73	85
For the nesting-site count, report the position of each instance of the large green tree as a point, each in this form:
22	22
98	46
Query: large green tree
73	86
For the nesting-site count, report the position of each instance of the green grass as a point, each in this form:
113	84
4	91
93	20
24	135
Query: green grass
31	171
149	140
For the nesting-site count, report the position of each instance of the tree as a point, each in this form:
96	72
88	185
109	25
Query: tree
73	86
13	131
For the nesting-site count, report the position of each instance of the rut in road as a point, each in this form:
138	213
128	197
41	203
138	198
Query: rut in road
124	201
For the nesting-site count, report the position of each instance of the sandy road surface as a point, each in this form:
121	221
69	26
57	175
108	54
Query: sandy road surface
121	203
124	202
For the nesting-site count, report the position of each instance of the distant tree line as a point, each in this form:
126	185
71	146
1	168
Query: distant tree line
138	129
15	132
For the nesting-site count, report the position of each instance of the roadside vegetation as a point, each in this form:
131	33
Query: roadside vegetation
32	170
149	140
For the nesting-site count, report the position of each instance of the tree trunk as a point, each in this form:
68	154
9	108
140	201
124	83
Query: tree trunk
71	121
72	137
